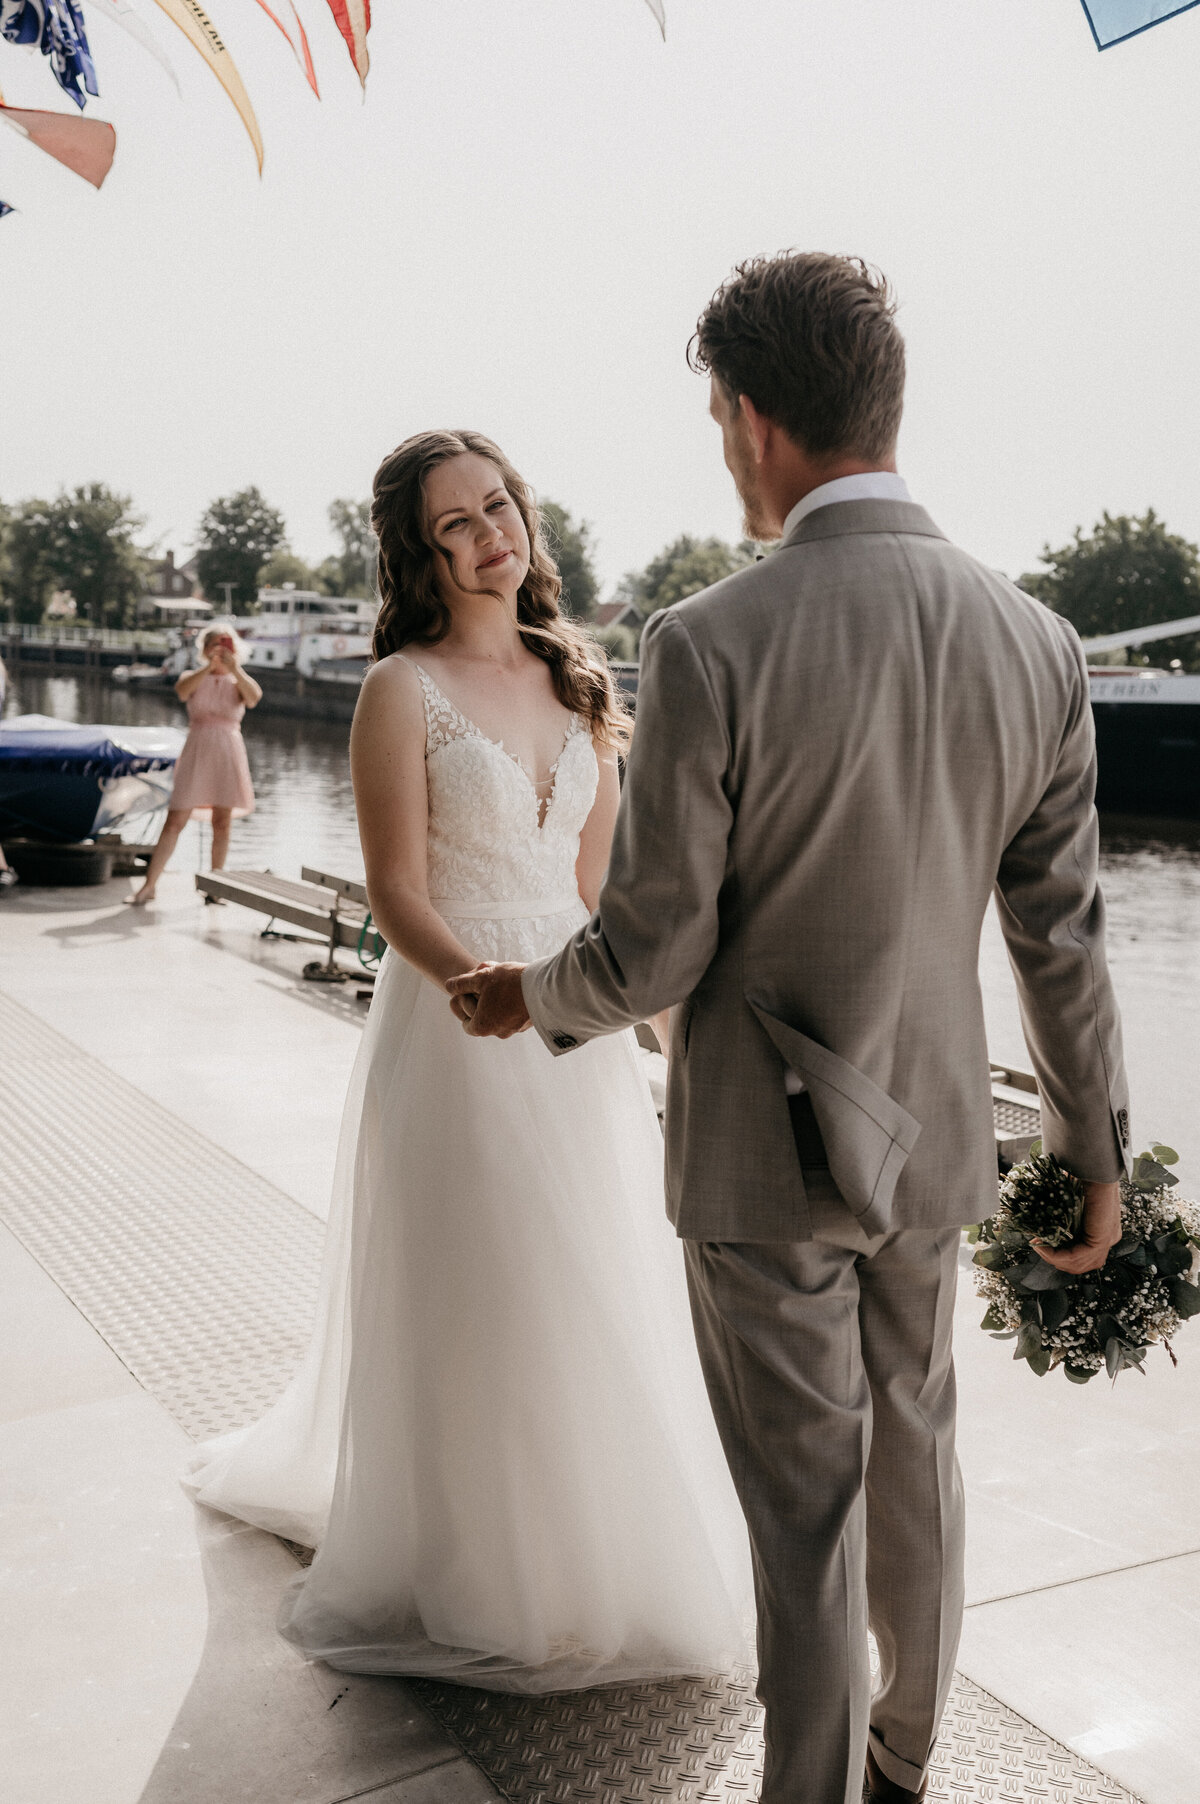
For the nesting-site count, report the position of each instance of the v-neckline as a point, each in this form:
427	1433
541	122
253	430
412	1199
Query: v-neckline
474	728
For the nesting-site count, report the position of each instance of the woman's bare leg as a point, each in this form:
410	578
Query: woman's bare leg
176	821
221	818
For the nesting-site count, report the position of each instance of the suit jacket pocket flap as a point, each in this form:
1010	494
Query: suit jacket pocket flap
867	1135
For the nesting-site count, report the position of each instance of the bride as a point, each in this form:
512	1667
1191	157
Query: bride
499	1441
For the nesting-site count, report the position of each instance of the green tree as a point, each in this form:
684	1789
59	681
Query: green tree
7	600
570	545
82	541
351	572
681	569
1127	572
238	534
620	642
285	567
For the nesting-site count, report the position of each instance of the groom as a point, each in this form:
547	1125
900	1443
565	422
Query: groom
841	753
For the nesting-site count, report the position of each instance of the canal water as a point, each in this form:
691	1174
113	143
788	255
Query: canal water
305	815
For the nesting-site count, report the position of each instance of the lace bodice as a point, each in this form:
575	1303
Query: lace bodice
501	857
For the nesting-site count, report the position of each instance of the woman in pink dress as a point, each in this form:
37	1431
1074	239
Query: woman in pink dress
212	776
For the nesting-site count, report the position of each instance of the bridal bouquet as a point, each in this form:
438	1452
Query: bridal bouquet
1149	1286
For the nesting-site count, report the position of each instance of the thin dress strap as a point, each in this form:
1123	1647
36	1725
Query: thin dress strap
443	721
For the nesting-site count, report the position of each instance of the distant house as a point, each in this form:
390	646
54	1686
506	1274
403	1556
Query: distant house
172	592
617	613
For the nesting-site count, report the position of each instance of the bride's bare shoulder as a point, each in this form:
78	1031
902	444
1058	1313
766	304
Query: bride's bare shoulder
390	697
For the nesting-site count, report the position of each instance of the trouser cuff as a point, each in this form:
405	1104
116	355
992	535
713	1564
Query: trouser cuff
900	1772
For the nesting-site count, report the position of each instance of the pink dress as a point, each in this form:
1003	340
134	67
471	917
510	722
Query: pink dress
213	771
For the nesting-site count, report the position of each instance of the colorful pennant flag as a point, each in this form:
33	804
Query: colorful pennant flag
204	38
56	28
85	145
353	19
122	14
1112	21
305	61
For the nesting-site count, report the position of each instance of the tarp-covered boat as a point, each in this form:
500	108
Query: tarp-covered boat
69	782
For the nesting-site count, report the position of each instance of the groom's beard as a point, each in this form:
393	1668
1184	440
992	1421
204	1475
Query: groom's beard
755	524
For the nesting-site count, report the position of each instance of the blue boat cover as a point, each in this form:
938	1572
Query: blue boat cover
1112	21
35	742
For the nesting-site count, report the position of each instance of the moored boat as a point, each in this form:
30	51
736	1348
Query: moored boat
66	783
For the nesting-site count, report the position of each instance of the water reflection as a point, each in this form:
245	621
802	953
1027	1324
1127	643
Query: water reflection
305	815
305	806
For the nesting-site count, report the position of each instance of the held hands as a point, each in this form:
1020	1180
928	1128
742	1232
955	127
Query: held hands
1099	1232
488	1001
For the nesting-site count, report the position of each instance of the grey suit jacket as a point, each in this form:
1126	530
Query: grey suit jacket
840	753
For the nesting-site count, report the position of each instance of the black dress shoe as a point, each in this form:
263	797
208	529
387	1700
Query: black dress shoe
882	1790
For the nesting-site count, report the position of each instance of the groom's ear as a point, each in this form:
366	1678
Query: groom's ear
757	426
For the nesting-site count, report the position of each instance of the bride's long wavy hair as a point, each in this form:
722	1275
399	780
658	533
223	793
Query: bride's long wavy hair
413	613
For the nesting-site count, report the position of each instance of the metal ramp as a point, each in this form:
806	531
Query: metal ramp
201	1277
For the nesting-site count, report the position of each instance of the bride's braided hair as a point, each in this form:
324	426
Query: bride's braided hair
412	612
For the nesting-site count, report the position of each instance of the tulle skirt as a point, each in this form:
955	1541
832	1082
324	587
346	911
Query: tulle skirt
499	1441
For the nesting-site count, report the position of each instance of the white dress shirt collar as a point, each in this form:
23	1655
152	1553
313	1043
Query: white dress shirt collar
871	485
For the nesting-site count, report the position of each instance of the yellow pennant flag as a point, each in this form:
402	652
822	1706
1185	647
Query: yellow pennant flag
203	36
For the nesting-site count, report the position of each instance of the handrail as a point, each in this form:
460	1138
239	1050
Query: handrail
122	638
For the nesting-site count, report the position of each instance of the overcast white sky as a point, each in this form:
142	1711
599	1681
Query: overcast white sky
517	229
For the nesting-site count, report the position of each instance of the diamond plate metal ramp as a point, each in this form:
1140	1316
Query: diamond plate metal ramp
202	1278
199	1274
700	1742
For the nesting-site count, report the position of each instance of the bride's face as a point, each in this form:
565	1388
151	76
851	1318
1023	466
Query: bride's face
473	520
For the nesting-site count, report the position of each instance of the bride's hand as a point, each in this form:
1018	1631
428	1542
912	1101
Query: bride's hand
489	1001
464	1002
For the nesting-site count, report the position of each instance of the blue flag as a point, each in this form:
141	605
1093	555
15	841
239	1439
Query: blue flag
56	27
1112	21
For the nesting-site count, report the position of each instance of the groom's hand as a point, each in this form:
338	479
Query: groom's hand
489	1001
1099	1232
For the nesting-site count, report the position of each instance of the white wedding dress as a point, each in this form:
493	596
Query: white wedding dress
499	1441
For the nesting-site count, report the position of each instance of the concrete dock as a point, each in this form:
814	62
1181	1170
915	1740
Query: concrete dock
170	1095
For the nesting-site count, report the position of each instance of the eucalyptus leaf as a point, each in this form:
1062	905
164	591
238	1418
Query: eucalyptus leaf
1055	1306
1148	1174
1185	1296
989	1256
1044	1276
993	1321
1112	1356
1166	1155
972	1233
1038	1363
1078	1375
1029	1341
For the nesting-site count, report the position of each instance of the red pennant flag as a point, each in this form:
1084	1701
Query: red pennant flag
305	61
85	145
353	19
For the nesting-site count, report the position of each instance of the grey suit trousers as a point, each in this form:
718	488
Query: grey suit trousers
829	1367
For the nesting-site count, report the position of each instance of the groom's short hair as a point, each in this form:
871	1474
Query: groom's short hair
812	341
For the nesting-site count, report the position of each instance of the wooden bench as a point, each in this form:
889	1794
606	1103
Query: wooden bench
333	908
1016	1112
